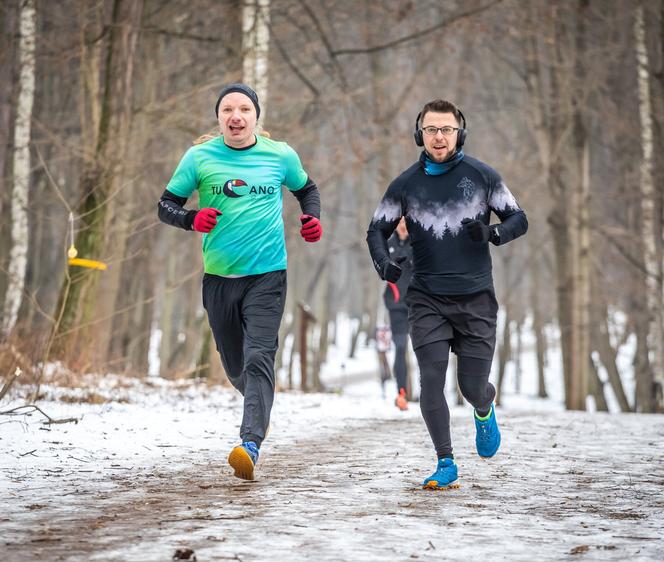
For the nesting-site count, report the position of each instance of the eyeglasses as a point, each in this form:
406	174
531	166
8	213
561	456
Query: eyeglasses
447	130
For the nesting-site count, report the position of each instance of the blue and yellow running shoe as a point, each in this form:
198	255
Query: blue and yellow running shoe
243	459
445	477
487	438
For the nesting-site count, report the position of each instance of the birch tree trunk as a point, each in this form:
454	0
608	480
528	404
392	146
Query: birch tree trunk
256	47
645	384
18	255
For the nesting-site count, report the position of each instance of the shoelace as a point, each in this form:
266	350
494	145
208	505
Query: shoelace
484	434
444	469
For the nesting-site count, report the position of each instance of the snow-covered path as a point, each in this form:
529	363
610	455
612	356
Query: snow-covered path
338	480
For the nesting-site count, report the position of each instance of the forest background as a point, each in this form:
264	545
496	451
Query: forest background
99	99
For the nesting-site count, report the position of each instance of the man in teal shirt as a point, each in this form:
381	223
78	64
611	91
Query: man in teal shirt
239	176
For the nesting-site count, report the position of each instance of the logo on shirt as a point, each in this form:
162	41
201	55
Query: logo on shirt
238	188
234	188
467	187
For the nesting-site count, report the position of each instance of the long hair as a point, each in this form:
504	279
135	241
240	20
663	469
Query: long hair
214	133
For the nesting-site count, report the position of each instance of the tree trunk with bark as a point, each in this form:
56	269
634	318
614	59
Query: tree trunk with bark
538	323
504	354
552	114
596	388
645	384
608	355
256	48
8	86
78	296
18	254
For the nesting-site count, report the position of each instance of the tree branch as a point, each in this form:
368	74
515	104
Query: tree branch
50	420
187	36
417	35
326	42
292	66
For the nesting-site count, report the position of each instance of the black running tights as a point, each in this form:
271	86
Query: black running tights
473	375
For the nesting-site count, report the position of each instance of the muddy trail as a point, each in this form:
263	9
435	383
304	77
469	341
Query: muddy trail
565	486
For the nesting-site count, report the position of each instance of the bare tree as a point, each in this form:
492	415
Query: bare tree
8	46
102	173
649	232
345	81
256	47
18	255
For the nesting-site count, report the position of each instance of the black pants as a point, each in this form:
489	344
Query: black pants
245	314
399	328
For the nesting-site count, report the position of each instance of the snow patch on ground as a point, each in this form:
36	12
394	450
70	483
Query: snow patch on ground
339	479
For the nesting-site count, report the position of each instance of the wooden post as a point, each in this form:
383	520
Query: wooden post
305	318
303	348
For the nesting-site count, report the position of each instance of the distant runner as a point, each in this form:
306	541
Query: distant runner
394	298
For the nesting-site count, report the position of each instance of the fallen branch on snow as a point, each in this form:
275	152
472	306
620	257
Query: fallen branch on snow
50	420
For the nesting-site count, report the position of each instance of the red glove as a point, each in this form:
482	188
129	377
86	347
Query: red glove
206	219
311	229
395	290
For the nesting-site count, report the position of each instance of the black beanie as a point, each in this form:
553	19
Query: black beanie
243	89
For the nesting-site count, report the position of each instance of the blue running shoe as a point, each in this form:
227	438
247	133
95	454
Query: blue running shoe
487	438
445	477
243	459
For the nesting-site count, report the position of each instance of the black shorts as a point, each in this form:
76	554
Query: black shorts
468	322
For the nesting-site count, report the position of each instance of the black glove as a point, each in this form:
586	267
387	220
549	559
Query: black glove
477	230
391	270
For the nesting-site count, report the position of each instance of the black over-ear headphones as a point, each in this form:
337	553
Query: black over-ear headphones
461	137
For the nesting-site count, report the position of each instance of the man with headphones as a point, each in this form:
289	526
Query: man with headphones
447	198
